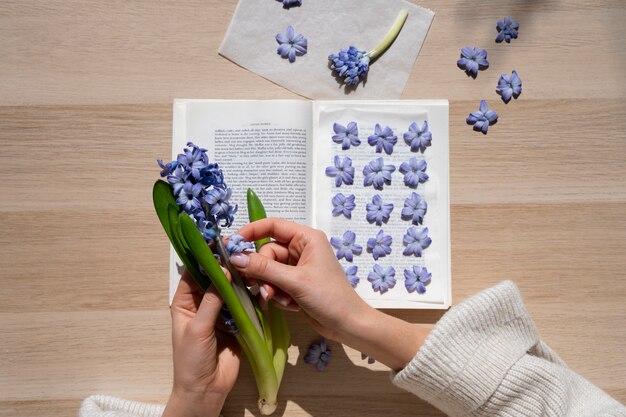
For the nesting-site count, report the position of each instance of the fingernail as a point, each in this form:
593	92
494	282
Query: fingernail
282	299
263	292
239	260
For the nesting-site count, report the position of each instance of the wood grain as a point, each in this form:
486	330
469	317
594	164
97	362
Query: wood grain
85	109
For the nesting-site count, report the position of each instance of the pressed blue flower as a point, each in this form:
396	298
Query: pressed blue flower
346	248
370	359
472	60
351	65
382	279
414	172
236	244
351	275
379	246
383	139
319	354
418	138
414	209
507	30
167	169
376	173
346	135
482	118
291	44
343	205
378	211
416	279
343	171
188	197
290	3
219	205
416	241
509	86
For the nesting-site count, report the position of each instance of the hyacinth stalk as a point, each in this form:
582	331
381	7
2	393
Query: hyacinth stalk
263	335
391	36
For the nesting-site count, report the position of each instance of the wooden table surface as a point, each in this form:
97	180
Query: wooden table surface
86	90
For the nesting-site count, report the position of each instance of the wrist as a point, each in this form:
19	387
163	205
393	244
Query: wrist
185	404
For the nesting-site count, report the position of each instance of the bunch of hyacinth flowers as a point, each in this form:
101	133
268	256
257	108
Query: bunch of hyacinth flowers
194	207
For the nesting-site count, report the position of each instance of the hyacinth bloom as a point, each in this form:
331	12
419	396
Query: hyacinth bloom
220	208
346	248
343	171
416	279
509	86
343	205
378	211
473	59
351	65
383	139
414	209
291	44
318	355
351	275
290	3
414	172
482	118
346	135
236	244
418	138
379	246
376	173
507	30
188	197
416	241
382	279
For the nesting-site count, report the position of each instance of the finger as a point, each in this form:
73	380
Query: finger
281	230
265	269
276	251
210	306
187	296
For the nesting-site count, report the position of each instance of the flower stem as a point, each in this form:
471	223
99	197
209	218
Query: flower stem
390	37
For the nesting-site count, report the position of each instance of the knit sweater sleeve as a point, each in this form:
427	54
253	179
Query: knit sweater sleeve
106	406
485	358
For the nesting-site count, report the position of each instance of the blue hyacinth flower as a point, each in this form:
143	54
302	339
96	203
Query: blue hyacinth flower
509	86
382	279
416	241
473	59
236	244
376	173
379	246
291	44
378	211
414	172
290	3
351	275
346	135
482	118
507	30
416	279
343	205
414	209
343	171
345	246
383	139
318	355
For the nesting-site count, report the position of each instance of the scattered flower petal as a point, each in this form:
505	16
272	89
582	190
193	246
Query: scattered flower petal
414	172
507	30
414	209
482	118
416	241
343	205
236	244
509	86
370	360
346	135
343	171
473	59
346	248
382	279
383	139
416	279
379	246
376	173
351	275
418	138
319	354
378	211
291	44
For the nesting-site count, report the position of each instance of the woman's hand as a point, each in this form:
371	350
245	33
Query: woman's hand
302	263
205	359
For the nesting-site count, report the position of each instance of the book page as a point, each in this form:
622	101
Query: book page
263	145
398	115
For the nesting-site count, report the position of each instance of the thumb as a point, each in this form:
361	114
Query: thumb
257	266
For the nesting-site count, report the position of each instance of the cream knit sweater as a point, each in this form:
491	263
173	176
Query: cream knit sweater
483	358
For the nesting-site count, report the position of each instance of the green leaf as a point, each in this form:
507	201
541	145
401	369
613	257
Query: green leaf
162	196
256	211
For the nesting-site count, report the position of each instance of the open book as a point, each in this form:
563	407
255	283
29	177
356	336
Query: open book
281	149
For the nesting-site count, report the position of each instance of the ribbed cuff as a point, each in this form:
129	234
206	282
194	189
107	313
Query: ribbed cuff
103	405
470	350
